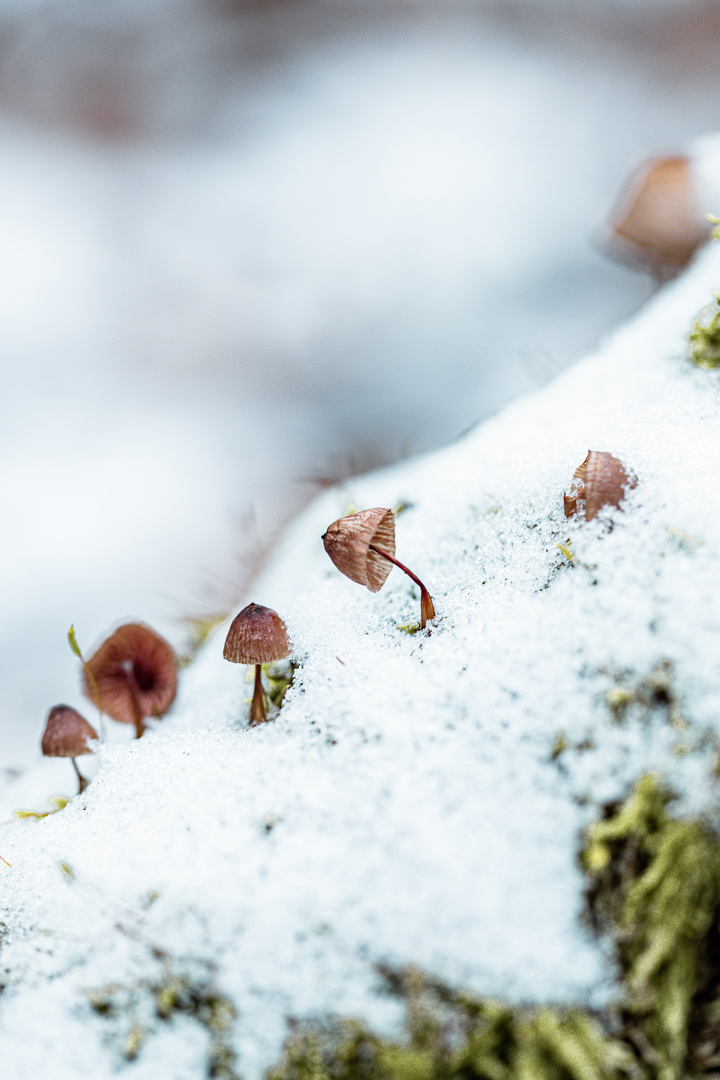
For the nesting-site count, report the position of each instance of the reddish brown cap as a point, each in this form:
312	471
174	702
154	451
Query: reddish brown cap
256	636
66	733
657	222
348	541
134	654
601	480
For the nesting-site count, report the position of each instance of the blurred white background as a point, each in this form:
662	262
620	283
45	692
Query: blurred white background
248	247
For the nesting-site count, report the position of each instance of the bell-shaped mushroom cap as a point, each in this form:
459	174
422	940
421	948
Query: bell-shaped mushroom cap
601	480
132	661
348	540
256	636
66	733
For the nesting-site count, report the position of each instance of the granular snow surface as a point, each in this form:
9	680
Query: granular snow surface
407	805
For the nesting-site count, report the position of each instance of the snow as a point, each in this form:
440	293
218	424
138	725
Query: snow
324	226
405	805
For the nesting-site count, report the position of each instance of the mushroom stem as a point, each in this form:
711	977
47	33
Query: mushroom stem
82	782
137	712
427	608
257	709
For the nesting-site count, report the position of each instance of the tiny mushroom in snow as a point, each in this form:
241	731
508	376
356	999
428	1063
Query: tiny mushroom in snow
66	735
135	675
362	546
601	480
257	635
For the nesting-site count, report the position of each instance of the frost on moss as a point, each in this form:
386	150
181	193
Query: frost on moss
654	887
705	337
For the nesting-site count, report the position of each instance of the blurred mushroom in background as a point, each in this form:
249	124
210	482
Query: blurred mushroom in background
658	222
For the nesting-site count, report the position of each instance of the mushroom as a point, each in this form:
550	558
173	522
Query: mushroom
658	222
601	480
134	673
257	635
362	546
66	735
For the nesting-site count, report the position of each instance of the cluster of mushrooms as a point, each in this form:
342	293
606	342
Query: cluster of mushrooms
133	675
362	546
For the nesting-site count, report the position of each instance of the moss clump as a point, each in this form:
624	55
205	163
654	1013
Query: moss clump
171	996
279	677
705	337
654	691
452	1034
654	887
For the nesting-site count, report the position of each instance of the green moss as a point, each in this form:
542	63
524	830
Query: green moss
647	694
174	994
654	888
452	1035
705	337
279	677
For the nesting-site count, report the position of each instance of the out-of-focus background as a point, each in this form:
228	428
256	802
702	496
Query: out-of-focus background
249	247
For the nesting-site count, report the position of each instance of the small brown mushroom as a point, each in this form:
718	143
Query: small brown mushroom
362	546
658	222
601	480
135	675
66	735
257	635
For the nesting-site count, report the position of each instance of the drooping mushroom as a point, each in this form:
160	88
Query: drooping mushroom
135	675
257	635
601	480
66	735
362	546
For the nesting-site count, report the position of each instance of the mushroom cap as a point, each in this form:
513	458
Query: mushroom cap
348	540
134	653
658	220
66	733
601	480
257	635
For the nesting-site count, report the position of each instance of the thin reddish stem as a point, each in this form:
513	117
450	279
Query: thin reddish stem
257	709
137	711
427	608
81	779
